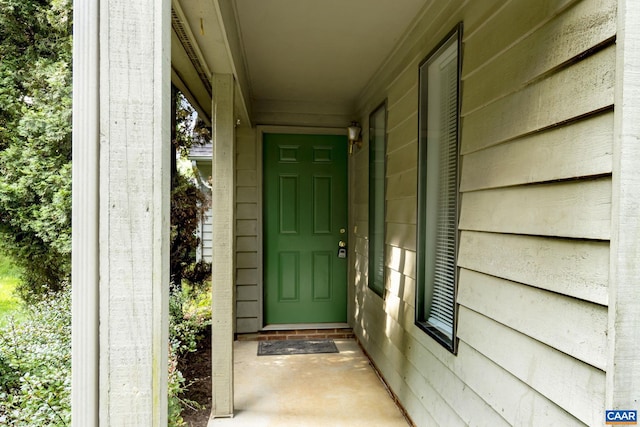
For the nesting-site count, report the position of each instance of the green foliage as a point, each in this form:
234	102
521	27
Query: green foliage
188	202
187	322
176	386
189	316
35	140
35	365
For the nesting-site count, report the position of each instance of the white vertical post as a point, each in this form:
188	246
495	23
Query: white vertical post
85	256
222	264
121	212
623	371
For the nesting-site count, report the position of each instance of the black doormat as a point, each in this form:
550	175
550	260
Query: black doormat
285	347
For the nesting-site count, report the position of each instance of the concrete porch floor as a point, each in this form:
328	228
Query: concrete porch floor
339	389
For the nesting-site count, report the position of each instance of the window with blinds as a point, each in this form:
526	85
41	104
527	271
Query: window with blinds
439	109
377	153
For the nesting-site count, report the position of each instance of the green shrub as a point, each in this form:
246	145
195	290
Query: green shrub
187	318
189	315
35	365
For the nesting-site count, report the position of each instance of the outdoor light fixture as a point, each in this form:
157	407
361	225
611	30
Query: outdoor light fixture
354	136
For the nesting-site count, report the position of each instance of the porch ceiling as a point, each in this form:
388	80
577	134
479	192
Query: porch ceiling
296	61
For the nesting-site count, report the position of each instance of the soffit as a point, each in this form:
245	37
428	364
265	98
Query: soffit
298	56
318	52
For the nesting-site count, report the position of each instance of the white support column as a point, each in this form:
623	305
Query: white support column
222	264
121	212
623	373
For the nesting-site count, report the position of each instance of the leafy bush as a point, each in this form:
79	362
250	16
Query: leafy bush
188	319
189	315
35	365
35	362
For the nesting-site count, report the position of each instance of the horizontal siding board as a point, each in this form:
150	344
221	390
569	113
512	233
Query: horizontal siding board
246	195
506	400
401	260
577	268
513	24
247	325
400	110
246	260
247	244
246	227
406	81
575	327
405	133
581	149
400	289
402	210
387	339
508	396
246	211
580	89
403	184
247	293
513	400
246	178
401	235
247	309
580	28
419	414
246	276
245	156
468	405
580	209
402	159
573	385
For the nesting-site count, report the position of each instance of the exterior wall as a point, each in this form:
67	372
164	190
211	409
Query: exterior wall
205	233
248	300
536	166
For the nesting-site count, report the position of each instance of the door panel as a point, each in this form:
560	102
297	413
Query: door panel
305	216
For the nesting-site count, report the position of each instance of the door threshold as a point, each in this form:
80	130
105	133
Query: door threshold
303	326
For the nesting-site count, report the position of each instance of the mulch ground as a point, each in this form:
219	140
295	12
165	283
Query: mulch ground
196	369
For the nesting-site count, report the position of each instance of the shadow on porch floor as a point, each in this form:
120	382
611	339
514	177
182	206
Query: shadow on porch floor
339	389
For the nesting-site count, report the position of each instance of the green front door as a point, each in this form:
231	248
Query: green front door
305	218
